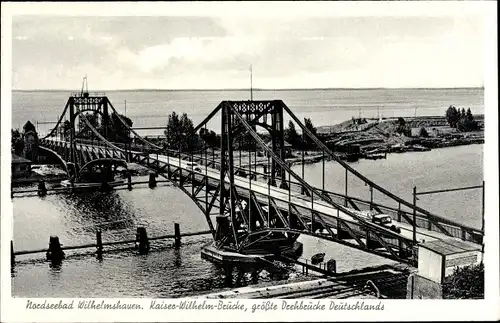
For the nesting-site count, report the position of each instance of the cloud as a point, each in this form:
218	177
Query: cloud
204	52
190	50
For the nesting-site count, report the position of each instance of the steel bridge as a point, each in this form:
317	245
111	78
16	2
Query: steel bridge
253	209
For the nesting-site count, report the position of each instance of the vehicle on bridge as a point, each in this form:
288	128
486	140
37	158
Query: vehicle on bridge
317	258
195	166
381	219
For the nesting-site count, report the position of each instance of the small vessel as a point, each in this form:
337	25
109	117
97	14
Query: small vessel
375	156
317	258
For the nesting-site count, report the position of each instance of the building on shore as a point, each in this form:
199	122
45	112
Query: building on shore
21	167
433	131
287	148
30	135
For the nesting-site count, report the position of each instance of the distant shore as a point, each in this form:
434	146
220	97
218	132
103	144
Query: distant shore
257	89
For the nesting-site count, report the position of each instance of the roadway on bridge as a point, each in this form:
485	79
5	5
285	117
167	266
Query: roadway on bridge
300	200
327	211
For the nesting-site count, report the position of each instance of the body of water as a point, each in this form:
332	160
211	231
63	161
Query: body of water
324	107
166	272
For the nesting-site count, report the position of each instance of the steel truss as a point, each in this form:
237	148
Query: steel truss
255	210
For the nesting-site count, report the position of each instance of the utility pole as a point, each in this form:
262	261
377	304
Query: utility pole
125	107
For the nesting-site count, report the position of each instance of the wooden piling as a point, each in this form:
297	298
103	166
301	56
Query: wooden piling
152	180
42	189
142	240
129	181
177	241
98	235
331	266
55	252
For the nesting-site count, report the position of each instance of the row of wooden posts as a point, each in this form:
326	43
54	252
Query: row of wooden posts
42	190
55	251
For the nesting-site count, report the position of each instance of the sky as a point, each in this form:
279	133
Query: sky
205	52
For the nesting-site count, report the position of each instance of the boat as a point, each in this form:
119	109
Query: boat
376	156
317	258
418	148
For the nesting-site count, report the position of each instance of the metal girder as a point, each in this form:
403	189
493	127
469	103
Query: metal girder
238	201
280	215
259	209
326	226
382	242
343	242
298	216
351	233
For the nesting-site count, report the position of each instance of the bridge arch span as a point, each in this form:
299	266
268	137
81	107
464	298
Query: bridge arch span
177	185
63	162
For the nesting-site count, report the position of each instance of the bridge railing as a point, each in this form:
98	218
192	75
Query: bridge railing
404	216
397	214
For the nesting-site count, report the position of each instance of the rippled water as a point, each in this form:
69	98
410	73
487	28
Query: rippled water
324	107
169	273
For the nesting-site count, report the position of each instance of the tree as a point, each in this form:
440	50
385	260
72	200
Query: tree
120	132
65	129
291	134
465	283
17	142
452	116
423	133
466	121
401	126
210	137
179	134
309	126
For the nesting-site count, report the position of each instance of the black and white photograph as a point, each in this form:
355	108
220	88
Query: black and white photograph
202	159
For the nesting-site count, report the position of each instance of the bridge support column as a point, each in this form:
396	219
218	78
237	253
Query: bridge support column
55	252
222	228
142	240
177	240
42	189
152	180
98	235
331	266
129	181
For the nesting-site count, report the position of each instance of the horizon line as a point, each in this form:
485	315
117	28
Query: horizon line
255	89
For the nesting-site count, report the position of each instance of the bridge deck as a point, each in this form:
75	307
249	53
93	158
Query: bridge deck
321	207
327	212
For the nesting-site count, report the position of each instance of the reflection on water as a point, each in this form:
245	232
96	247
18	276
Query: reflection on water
166	272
